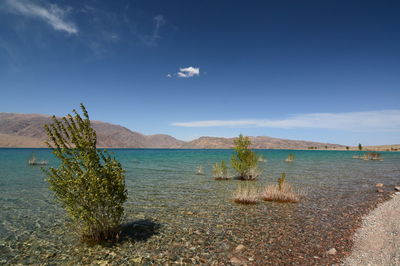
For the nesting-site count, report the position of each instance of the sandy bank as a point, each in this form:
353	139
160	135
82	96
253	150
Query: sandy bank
377	242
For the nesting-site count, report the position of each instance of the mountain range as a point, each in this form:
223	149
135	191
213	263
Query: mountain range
27	130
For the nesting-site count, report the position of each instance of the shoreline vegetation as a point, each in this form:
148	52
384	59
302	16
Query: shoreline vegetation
88	183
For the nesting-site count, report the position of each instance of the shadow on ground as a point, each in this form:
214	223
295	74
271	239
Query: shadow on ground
139	230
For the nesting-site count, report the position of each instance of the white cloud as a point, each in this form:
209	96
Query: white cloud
186	72
51	14
385	120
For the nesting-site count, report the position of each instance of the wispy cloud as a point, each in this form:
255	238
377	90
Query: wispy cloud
384	120
147	39
51	14
186	72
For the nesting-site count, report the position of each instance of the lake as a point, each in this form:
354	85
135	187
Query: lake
174	215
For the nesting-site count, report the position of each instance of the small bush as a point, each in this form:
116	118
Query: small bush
283	192
290	158
89	183
372	156
199	170
281	181
246	194
244	161
252	173
261	159
369	156
220	171
286	194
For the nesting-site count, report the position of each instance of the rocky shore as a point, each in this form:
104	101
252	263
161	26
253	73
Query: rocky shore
377	241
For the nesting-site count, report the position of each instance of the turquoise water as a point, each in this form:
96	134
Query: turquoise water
188	208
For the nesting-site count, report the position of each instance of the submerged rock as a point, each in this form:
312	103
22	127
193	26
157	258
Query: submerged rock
379	185
397	188
332	251
237	261
379	190
239	247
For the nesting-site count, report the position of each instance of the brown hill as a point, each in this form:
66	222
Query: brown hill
26	130
260	142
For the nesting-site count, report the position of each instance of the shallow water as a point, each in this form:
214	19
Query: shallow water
176	215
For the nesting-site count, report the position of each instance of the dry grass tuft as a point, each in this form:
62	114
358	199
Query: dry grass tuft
246	194
281	193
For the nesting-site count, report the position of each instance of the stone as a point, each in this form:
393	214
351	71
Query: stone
379	185
397	193
239	248
379	190
237	261
397	188
332	251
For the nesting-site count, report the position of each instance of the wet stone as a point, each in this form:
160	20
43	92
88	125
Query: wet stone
238	261
332	251
239	248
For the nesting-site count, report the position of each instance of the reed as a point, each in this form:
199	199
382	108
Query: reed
220	171
282	192
246	194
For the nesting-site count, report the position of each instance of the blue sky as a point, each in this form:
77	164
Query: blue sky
313	70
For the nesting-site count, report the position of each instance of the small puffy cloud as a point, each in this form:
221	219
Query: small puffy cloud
52	14
186	72
384	120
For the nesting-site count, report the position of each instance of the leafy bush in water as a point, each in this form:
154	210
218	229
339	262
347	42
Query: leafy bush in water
290	158
89	183
220	171
244	161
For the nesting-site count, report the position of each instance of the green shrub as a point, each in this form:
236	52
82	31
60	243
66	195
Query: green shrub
281	181
290	158
244	161
89	183
220	171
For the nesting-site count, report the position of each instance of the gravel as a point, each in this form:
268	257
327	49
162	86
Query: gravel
377	242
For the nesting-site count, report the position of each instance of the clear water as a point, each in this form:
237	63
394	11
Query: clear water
163	187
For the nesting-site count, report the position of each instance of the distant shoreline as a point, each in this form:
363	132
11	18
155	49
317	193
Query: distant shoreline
366	149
